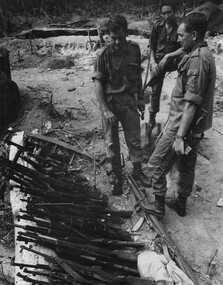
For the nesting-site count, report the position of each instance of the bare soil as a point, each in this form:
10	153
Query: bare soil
65	97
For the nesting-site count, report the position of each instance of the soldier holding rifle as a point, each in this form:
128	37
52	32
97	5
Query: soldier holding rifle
118	87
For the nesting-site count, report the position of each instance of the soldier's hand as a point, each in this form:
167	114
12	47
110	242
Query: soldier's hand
163	61
178	146
153	65
141	105
110	117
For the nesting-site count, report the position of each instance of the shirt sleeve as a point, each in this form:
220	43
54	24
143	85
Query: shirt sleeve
99	69
197	80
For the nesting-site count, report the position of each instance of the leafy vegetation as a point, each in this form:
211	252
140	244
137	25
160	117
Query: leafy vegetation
87	7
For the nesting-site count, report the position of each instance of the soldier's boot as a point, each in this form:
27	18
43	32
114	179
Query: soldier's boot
139	175
157	208
179	205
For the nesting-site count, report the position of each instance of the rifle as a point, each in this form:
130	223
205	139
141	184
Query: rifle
118	213
53	277
160	230
62	264
31	280
81	248
91	271
58	185
107	230
55	232
145	85
36	266
92	259
130	280
88	218
53	225
115	243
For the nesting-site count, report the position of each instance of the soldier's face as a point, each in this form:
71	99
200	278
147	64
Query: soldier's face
118	39
167	13
186	39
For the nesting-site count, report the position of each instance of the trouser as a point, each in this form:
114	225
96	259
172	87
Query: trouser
170	66
164	157
124	107
155	95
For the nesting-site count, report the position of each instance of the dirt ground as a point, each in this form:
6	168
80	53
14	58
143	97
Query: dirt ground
65	97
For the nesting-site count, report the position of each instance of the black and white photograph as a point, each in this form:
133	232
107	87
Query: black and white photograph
111	142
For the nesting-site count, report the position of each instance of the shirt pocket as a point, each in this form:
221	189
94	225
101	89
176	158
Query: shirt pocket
116	77
132	72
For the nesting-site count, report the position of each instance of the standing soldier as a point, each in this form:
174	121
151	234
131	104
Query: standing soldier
163	41
118	87
190	115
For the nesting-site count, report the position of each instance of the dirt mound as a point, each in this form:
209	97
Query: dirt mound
58	63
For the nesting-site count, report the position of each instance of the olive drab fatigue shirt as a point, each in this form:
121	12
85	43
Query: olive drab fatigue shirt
195	83
120	73
160	42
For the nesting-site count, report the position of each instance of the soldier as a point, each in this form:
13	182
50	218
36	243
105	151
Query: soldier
163	41
118	87
9	92
191	111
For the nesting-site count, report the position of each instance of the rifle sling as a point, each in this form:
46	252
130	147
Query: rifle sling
71	272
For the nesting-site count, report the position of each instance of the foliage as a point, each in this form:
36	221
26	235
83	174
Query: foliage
86	7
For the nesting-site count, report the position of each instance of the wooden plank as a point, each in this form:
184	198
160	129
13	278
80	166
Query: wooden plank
60	143
17	204
55	32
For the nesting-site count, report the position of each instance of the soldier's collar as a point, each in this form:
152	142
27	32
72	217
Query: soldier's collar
123	52
162	23
202	44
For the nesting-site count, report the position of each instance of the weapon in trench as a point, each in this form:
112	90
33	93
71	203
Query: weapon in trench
62	264
94	260
52	276
53	232
93	225
117	243
82	248
159	228
75	226
31	280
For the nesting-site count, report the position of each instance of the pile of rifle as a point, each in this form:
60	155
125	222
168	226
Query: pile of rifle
69	217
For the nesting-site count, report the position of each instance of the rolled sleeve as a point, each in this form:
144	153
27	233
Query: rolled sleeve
197	80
